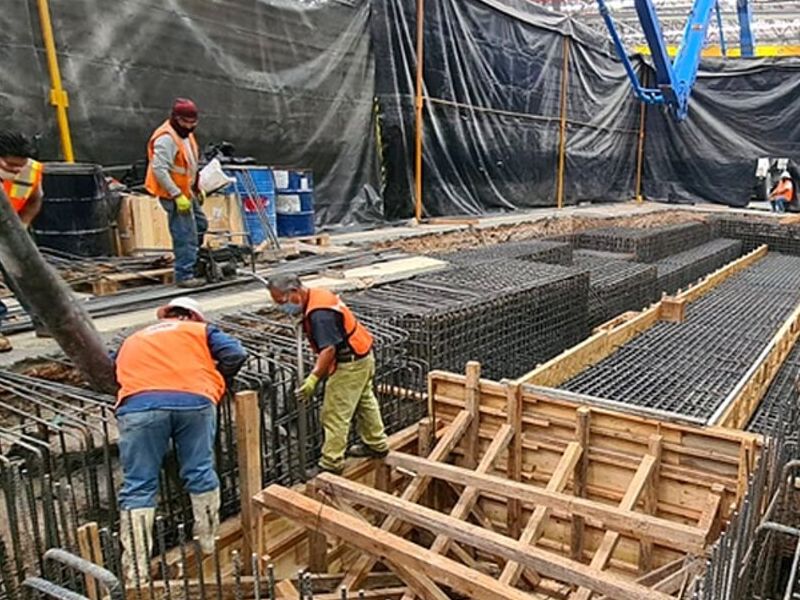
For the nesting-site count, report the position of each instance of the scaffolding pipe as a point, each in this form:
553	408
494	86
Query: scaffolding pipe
58	95
562	144
53	302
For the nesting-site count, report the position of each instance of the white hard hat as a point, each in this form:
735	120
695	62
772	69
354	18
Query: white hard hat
786	175
183	302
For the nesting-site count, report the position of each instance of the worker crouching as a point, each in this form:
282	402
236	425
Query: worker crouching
172	376
344	355
781	196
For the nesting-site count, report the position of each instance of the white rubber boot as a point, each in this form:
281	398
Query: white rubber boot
136	536
205	508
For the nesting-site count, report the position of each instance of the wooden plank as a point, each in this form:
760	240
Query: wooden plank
385	545
470	495
514	467
583	423
535	526
637	486
630	523
709	282
317	542
710	521
248	450
89	547
655	445
673	310
495	544
415	489
472	405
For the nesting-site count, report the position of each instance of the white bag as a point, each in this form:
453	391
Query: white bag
213	178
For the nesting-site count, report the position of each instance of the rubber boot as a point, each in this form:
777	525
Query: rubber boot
136	527
205	509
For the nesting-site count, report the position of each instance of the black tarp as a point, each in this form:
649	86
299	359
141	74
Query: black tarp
740	110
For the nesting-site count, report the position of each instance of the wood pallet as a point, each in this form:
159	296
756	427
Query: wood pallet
518	495
114	282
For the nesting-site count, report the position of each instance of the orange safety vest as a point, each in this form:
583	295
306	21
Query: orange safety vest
784	190
20	189
357	337
180	172
170	356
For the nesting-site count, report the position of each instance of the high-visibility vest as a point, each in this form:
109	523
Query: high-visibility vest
20	189
181	172
784	190
170	356
358	339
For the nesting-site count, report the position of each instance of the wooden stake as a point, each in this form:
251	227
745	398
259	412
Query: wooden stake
650	503
248	447
89	546
514	419
579	474
472	405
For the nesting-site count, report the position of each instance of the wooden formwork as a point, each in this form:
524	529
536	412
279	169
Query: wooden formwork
516	494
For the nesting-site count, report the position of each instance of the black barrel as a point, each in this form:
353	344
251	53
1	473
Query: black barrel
75	217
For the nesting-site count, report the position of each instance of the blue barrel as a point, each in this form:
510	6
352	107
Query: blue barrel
256	188
296	224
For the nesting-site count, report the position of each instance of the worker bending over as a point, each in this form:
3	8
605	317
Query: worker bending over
22	183
172	376
344	355
173	156
781	196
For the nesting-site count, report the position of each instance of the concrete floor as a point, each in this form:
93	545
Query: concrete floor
27	346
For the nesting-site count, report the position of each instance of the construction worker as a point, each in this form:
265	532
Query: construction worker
173	156
344	355
172	376
22	183
781	196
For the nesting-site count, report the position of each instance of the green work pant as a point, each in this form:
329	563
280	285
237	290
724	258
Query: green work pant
348	392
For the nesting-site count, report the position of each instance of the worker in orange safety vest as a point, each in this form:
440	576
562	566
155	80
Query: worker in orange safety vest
781	196
21	177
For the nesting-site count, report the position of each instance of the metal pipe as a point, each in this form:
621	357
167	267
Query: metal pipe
562	143
51	300
58	95
419	116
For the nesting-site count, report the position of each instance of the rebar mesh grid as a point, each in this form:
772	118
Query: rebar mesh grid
690	368
616	286
780	237
774	409
647	245
553	252
510	315
680	270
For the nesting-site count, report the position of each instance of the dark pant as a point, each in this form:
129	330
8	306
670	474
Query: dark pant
12	285
144	439
187	232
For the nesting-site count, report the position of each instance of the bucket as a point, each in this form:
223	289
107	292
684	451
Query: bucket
213	178
296	224
75	216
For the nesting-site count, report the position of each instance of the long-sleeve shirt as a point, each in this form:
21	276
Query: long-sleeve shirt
229	355
164	151
783	190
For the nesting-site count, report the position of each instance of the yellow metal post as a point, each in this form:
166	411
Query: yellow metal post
419	116
58	95
640	154
562	145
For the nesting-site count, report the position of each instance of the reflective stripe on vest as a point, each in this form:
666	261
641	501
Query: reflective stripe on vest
181	171
170	356
20	189
358	339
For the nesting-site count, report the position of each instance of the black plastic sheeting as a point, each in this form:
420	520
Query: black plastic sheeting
329	85
740	110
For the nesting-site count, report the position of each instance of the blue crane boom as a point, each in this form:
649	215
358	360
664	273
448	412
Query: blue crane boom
674	79
747	41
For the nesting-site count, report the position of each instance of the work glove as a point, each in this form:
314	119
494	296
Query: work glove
306	391
183	205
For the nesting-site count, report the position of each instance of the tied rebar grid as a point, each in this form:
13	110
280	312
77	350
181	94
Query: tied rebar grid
690	368
616	286
509	315
647	245
683	269
552	252
780	237
758	555
773	409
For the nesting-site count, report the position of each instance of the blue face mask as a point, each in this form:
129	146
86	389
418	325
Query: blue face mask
291	308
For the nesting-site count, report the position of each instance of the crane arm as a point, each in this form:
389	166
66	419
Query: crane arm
747	40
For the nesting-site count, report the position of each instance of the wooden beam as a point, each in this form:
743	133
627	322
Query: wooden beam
470	496
711	521
415	489
248	449
472	404
535	527
583	425
635	489
89	546
514	417
385	545
546	563
709	282
673	310
317	542
655	444
627	522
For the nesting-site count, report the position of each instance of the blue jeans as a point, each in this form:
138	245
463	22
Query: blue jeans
144	439
778	205
187	232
